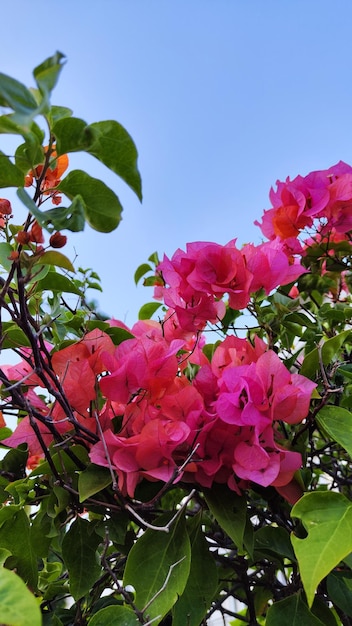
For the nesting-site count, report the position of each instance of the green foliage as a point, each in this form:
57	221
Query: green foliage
18	606
327	518
158	567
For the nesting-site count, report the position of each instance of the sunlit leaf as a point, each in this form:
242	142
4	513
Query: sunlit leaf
53	257
148	309
18	606
57	282
327	517
140	271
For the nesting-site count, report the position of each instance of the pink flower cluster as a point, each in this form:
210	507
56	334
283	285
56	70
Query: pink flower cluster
195	280
323	196
222	426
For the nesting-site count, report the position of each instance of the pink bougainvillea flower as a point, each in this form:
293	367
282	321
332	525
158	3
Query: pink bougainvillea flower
270	265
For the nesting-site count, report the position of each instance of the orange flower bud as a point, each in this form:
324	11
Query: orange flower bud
57	240
5	207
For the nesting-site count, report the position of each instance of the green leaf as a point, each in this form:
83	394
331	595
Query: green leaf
107	141
18	606
57	282
102	207
291	612
327	517
92	480
57	113
71	135
273	540
5	251
47	73
148	309
114	147
155	559
140	271
15	536
68	218
339	586
52	257
202	582
29	154
63	462
10	174
15	95
118	335
229	510
329	350
79	551
119	615
337	422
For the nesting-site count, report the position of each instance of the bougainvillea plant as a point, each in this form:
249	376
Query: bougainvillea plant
197	465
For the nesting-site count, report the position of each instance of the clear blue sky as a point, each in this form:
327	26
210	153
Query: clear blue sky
222	97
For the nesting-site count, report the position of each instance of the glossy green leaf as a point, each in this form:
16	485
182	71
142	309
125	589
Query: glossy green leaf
140	271
118	615
13	337
156	558
15	536
57	282
327	517
291	611
92	480
79	551
148	309
107	141
229	510
10	175
337	422
114	147
53	257
47	73
18	606
71	135
102	206
202	582
329	350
